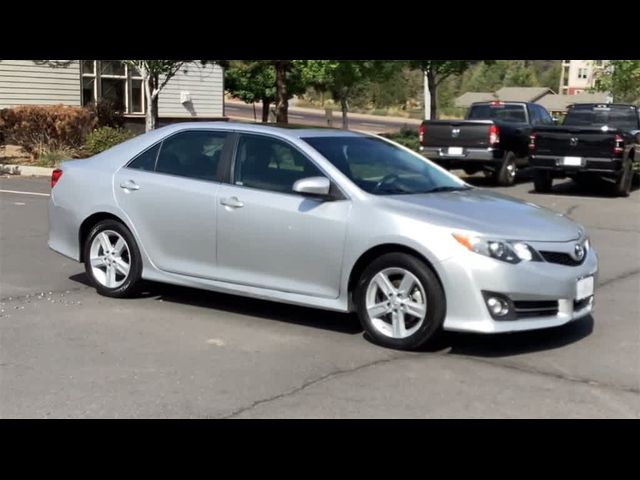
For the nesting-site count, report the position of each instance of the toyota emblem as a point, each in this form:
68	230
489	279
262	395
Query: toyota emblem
455	132
573	141
578	252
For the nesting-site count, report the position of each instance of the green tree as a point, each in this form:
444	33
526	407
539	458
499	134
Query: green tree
622	79
520	73
342	77
436	72
257	81
252	81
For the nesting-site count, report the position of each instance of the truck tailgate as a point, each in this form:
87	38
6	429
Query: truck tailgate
456	133
574	141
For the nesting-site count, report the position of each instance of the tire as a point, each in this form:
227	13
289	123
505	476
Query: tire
505	174
623	183
542	181
425	297
97	261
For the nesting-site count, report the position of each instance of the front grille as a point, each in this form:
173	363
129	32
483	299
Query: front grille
535	308
561	258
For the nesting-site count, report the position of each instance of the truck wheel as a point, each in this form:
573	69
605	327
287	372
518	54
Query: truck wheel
623	184
542	181
505	175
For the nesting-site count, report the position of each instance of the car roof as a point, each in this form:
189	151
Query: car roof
286	130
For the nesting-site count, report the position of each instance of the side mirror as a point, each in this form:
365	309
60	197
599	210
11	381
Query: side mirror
313	186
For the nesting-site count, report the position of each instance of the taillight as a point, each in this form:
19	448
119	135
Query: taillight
618	147
55	176
421	131
532	142
494	135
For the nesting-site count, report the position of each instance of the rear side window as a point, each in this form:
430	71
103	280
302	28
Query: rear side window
146	160
499	111
193	154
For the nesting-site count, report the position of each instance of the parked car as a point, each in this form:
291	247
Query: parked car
594	139
324	218
493	138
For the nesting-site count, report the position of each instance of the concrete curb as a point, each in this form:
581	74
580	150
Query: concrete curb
25	170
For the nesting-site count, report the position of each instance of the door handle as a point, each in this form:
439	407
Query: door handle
232	202
130	185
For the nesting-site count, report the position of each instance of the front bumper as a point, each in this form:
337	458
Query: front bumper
605	166
467	275
470	157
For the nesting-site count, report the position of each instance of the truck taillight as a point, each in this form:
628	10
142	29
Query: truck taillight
421	131
55	176
494	135
532	142
618	146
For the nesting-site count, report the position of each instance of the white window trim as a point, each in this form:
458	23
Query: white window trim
128	77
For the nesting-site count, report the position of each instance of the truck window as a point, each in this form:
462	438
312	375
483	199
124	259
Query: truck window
622	117
500	111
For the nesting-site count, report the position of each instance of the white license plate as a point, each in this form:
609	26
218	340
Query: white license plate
584	288
572	161
454	151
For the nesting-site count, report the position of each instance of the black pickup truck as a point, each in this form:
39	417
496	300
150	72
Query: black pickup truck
594	139
494	138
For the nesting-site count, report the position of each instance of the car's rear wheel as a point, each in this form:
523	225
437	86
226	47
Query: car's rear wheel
623	183
542	181
112	259
400	301
505	174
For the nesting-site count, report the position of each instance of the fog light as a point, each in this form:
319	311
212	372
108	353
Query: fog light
497	306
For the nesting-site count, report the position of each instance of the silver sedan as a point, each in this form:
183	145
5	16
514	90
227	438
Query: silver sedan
324	218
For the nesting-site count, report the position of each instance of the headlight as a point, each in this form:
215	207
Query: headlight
506	251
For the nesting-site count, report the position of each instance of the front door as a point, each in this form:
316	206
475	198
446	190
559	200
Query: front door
269	236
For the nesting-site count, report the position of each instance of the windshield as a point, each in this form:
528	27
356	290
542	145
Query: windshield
624	118
381	168
499	111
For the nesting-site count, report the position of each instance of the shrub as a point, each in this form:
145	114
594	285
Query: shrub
104	138
406	136
39	128
52	158
107	114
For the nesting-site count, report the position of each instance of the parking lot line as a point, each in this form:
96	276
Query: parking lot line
25	193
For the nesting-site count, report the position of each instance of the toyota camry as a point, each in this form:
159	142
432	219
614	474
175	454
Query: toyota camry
324	218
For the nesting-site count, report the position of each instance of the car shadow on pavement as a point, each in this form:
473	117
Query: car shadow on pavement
516	343
594	187
480	180
310	317
497	345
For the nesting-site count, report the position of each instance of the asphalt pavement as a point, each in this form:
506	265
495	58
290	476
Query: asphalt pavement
66	352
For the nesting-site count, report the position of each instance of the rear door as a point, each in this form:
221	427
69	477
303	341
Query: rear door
169	194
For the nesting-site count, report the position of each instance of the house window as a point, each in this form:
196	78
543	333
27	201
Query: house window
582	73
112	80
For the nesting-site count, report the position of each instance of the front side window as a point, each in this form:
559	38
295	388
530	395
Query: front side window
193	154
270	164
381	168
114	81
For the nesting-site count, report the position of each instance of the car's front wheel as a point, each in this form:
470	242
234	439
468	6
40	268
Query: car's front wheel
112	259
400	301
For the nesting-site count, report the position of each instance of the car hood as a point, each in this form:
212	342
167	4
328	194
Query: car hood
488	213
